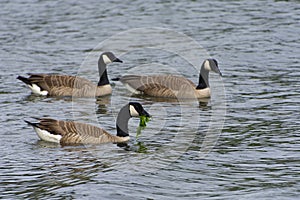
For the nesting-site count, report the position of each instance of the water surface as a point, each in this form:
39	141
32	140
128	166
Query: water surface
257	154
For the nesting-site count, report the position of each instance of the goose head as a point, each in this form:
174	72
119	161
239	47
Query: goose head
211	65
105	58
208	65
109	57
137	110
132	109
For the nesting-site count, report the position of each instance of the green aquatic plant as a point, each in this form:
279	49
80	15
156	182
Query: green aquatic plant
144	120
141	148
139	131
143	123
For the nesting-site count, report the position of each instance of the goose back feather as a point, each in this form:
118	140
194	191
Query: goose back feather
63	85
161	85
171	86
71	132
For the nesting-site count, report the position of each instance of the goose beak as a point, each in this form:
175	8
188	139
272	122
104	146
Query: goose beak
217	70
117	60
145	113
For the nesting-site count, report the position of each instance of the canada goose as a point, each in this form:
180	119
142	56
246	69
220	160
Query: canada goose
70	132
63	85
171	86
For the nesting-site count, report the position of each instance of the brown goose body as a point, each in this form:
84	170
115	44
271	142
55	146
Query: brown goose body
70	132
171	86
168	86
64	85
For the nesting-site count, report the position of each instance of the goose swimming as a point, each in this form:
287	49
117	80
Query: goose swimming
71	132
64	85
172	86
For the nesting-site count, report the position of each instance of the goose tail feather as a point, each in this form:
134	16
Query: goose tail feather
115	79
25	80
31	123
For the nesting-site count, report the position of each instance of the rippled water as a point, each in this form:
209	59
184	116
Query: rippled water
257	153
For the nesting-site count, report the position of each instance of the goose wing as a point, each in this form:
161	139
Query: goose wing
62	85
159	85
76	132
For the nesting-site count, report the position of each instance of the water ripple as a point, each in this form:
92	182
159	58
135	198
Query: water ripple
256	44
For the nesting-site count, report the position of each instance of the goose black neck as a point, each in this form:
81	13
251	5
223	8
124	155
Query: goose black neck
122	122
103	79
203	79
102	73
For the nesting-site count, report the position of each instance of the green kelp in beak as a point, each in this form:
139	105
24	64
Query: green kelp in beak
144	120
143	124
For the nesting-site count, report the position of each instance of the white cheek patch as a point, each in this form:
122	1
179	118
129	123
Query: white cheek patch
46	136
207	65
37	90
106	59
133	111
